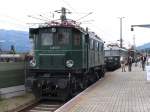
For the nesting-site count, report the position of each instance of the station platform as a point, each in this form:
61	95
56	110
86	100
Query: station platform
15	103
117	92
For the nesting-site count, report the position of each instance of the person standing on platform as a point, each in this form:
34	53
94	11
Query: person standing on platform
143	59
122	62
148	60
139	61
135	62
129	61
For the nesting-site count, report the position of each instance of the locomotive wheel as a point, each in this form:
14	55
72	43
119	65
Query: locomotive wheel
65	94
92	78
85	82
103	72
73	87
97	76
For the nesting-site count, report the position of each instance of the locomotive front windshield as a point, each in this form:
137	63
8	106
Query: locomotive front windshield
46	39
112	53
59	38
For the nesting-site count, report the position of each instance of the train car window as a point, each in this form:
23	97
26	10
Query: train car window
97	46
100	47
94	46
62	37
46	39
77	39
91	44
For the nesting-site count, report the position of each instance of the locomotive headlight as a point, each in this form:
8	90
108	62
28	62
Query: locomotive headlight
33	63
69	63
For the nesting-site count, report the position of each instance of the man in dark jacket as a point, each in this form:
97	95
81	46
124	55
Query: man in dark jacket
129	61
143	59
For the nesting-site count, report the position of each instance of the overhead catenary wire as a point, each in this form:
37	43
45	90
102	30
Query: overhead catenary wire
84	16
20	22
100	29
48	19
38	18
104	32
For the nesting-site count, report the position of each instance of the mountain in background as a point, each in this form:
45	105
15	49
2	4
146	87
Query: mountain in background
144	46
20	40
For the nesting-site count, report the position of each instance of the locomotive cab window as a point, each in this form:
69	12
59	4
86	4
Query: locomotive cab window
62	38
46	39
116	53
33	40
108	53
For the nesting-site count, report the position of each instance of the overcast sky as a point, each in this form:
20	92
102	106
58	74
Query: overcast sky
104	19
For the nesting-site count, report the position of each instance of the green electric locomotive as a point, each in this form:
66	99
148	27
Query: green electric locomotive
66	59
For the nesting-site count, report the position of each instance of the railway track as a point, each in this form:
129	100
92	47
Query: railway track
43	106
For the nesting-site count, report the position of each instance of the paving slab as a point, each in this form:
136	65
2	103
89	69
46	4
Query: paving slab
117	92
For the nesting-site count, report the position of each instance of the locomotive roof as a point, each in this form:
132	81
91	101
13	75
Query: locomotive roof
68	23
94	36
60	26
115	48
91	34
